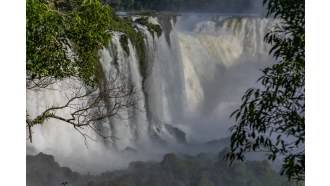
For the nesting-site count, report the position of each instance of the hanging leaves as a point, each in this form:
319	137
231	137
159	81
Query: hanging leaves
62	41
272	118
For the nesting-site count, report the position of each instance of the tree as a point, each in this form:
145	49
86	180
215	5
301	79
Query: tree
271	119
90	106
63	40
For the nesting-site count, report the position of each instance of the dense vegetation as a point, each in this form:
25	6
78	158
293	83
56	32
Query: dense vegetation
53	27
272	118
201	170
220	6
63	38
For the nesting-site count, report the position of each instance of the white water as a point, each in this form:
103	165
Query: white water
193	84
196	82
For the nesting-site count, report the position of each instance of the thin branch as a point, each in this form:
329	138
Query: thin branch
90	106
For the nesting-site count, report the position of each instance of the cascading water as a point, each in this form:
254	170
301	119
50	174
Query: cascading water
195	79
209	65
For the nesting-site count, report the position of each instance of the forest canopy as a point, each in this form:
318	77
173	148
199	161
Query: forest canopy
215	6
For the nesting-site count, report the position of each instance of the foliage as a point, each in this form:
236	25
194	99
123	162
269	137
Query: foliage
173	170
63	38
126	26
223	6
142	12
272	119
124	43
151	27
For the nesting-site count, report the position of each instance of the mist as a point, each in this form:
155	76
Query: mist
220	58
195	83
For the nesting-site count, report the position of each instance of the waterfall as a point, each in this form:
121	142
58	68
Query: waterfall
195	78
209	64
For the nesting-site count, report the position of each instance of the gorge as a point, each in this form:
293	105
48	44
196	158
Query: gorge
194	76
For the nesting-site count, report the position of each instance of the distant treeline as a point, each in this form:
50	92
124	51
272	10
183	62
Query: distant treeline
212	6
174	170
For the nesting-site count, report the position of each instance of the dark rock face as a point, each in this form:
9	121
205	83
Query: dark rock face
165	22
129	152
43	170
178	134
